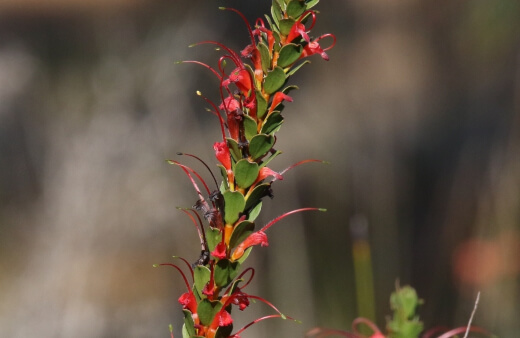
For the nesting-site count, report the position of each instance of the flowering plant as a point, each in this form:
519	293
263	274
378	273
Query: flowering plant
252	93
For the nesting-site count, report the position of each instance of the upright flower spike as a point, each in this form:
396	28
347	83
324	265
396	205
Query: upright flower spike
252	85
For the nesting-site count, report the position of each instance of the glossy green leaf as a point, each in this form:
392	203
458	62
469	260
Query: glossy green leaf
257	194
286	25
201	276
241	231
188	329
270	158
224	331
276	35
261	105
265	56
246	173
223	172
234	149
225	272
253	213
207	310
276	11
312	3
185	333
270	22
289	54
297	67
250	127
272	123
213	236
260	145
295	8
234	203
274	80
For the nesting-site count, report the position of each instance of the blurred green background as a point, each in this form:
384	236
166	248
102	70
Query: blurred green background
418	112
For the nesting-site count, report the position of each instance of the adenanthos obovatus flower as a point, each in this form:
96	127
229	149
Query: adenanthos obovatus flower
252	85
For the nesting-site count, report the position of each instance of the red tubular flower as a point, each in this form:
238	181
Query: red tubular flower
277	99
266	172
188	301
241	78
255	238
220	251
222	153
239	298
298	29
314	47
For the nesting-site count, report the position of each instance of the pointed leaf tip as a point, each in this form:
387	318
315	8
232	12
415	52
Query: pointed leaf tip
199	93
283	316
155	265
322	209
171	328
178	62
222	8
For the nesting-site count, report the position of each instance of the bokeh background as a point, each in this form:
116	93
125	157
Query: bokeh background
418	112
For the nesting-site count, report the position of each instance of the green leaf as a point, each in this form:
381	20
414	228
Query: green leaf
272	123
261	105
297	67
225	272
201	277
274	80
265	56
234	203
253	213
276	35
266	162
257	194
234	149
246	173
270	22
188	329
289	54
260	145
241	231
295	8
250	127
185	333
276	11
223	172
213	236
224	331
207	310
286	25
312	3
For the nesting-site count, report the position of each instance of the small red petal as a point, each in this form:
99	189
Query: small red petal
224	319
220	251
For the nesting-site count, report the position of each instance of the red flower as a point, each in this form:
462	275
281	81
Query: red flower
222	153
255	238
298	29
220	251
239	298
266	172
241	78
314	47
277	99
188	301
